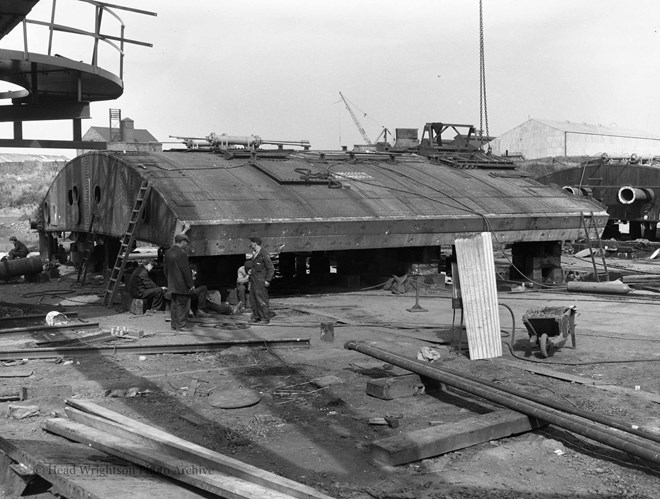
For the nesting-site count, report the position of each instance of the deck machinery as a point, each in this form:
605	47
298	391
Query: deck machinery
370	215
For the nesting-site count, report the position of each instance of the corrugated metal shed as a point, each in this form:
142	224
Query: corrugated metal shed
308	201
538	138
569	126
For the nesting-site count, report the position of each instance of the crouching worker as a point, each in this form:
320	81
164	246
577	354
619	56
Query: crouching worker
141	286
19	251
214	302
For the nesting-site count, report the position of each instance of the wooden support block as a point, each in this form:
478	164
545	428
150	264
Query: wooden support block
436	440
395	387
136	307
30	392
15	372
13	483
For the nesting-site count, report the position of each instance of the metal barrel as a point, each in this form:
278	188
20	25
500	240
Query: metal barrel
637	446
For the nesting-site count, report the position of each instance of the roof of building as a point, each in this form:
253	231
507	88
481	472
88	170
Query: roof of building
585	128
17	158
139	134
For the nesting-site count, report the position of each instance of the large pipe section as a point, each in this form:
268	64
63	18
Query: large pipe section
20	266
629	194
223	141
580	192
637	446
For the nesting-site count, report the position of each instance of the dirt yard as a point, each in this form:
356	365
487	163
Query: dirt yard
319	434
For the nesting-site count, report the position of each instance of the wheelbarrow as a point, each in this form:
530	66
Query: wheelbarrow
550	327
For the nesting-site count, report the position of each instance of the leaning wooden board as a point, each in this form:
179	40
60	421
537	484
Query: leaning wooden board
179	469
79	471
99	417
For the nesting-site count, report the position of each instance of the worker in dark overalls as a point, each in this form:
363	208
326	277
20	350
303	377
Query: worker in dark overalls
19	251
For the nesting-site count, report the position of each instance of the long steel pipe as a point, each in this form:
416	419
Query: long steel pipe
636	446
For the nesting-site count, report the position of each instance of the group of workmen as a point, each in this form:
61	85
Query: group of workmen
186	299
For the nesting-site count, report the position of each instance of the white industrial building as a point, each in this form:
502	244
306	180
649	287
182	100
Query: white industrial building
547	138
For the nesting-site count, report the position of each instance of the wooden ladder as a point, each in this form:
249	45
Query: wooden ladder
587	231
126	243
90	240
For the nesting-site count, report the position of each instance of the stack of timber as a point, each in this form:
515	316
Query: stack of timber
175	458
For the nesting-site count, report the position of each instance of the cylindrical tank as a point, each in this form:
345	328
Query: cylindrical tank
580	192
629	194
20	266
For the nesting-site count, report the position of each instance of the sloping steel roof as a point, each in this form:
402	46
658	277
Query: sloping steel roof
206	187
309	201
571	127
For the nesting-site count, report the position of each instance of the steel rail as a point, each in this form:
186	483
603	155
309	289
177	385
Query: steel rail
631	444
183	348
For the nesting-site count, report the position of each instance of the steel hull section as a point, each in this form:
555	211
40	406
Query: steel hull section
605	182
215	237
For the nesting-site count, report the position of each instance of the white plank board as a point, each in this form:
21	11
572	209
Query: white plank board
476	268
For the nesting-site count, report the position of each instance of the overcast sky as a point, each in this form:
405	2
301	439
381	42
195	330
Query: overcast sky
274	68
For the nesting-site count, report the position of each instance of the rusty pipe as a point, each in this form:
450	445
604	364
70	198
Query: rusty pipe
636	446
628	194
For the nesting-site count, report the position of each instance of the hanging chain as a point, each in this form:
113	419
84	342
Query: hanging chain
483	107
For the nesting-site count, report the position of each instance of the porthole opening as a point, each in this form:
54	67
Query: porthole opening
70	197
97	194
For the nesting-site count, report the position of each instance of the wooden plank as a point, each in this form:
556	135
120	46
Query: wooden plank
314	311
80	472
476	271
549	372
23	319
651	397
210	346
104	419
15	372
175	468
60	327
46	390
436	440
103	335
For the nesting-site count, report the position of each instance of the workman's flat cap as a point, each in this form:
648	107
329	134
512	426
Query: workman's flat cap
13	238
256	240
181	237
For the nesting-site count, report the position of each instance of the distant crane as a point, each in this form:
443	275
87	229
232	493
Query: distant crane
356	121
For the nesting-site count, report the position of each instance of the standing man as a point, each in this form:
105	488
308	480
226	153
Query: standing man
260	277
141	286
179	280
243	285
19	251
